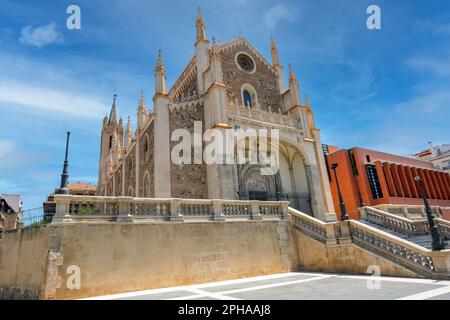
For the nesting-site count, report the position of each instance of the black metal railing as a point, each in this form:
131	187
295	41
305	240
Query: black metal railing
37	216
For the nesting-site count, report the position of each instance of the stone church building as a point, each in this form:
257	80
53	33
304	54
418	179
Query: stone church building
226	85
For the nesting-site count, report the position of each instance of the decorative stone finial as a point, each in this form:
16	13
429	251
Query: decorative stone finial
200	27
113	113
292	77
275	58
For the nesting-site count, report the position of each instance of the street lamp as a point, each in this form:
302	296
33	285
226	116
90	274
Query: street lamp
437	243
344	215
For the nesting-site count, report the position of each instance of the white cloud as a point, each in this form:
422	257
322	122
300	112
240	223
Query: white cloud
6	148
52	100
443	29
276	14
436	66
432	104
40	36
8	187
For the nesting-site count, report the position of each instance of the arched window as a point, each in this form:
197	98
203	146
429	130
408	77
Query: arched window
110	141
247	99
146	148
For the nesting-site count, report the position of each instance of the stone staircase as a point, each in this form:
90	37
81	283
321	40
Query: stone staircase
415	231
423	240
399	240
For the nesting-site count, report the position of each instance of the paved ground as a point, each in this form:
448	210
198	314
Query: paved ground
301	286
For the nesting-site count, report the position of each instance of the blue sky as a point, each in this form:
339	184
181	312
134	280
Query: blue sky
385	89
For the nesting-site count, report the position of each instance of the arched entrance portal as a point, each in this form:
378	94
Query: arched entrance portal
254	186
291	182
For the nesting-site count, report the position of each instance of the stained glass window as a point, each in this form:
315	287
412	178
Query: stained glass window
247	99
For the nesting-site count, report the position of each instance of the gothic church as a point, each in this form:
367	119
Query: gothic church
224	85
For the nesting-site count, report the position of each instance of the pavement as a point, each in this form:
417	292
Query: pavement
299	286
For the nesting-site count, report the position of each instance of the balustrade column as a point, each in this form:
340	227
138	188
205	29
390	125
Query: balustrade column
218	209
175	210
124	205
284	210
256	215
62	209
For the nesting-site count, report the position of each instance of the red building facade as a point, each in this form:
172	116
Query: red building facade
371	178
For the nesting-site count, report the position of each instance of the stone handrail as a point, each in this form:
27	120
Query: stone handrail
403	252
313	227
394	222
443	227
435	264
263	116
403	225
73	208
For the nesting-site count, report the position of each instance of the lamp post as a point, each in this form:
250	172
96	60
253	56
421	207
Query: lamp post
344	215
437	243
65	174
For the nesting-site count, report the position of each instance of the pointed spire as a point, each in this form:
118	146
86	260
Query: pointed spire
128	134
214	52
308	105
141	112
160	64
160	75
200	27
141	105
128	127
275	58
292	77
309	113
113	113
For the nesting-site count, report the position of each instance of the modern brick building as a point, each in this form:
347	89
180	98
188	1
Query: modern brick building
373	178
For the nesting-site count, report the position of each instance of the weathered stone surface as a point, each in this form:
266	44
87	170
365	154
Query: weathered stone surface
263	80
147	164
187	180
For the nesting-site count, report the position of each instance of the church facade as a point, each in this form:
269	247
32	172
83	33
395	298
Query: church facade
223	86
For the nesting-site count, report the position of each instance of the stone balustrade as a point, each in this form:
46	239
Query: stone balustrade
393	222
424	261
443	227
270	118
433	264
403	225
314	228
127	209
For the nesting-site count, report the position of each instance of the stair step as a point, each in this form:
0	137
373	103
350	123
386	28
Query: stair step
420	240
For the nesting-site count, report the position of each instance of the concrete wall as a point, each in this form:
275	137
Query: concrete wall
342	258
23	263
118	257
